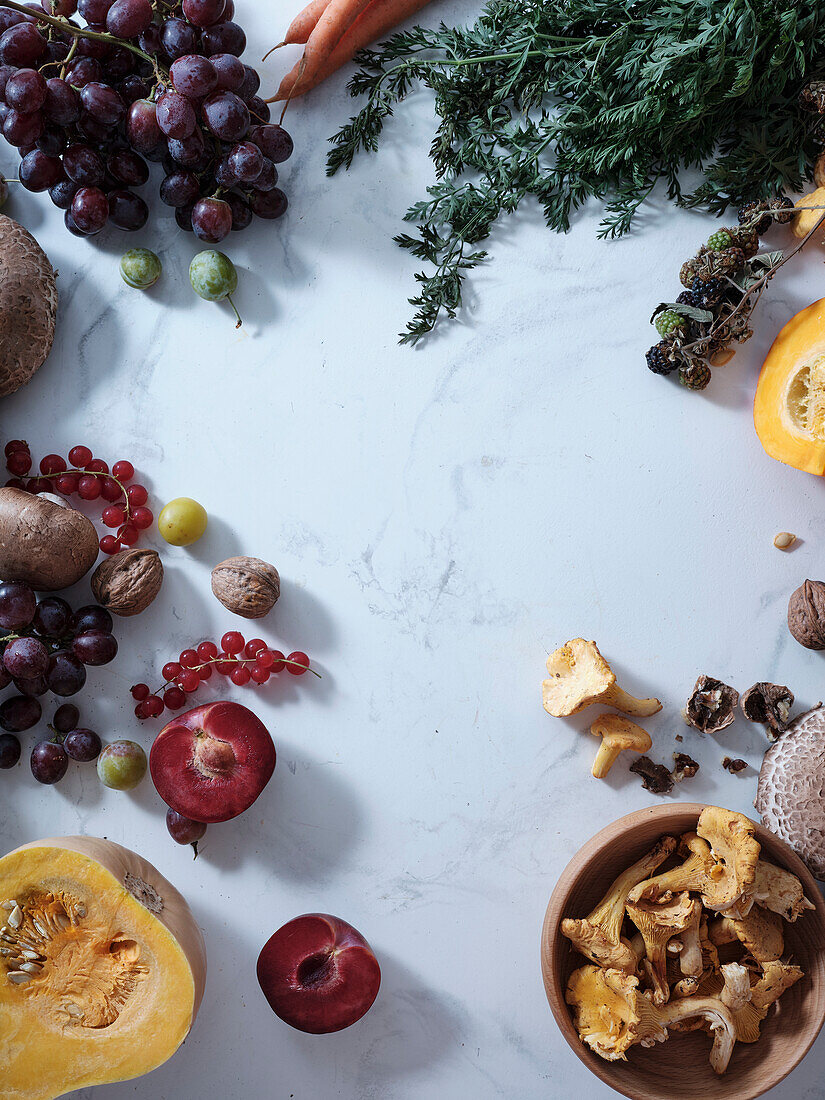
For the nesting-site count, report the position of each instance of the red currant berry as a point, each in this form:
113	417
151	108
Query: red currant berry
258	674
109	544
20	462
110	490
205	671
143	518
232	642
153	705
254	647
123	470
240	676
188	680
137	495
225	667
170	670
297	663
207	651
128	534
15	445
67	484
88	487
97	466
265	658
39	485
278	660
52	464
174	698
140	711
80	457
140	692
16	483
113	516
189	658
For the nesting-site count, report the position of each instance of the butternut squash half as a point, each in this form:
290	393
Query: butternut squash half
789	407
102	967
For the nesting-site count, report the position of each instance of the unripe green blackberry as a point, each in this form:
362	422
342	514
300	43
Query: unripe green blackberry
669	321
695	375
719	240
657	358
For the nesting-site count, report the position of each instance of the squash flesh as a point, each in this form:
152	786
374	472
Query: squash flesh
117	993
789	406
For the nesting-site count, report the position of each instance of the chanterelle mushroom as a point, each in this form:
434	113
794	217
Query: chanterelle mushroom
659	923
599	936
736	853
736	990
693	874
777	976
761	934
578	676
617	734
611	1015
28	303
776	889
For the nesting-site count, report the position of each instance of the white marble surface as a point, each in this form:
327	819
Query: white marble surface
442	519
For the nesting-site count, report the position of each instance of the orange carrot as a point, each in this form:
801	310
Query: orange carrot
379	18
338	17
304	23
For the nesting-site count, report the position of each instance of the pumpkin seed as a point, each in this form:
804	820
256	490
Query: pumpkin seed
39	927
62	921
16	917
34	956
9	905
73	1010
19	976
31	967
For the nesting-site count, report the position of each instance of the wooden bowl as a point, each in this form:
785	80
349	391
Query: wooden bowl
679	1068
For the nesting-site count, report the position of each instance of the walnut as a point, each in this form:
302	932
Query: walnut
126	583
246	586
711	705
684	767
806	614
770	705
734	766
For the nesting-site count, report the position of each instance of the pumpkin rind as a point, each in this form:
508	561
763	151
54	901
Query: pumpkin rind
800	346
45	1053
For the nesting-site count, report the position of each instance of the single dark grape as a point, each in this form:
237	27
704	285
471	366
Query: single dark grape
5	72
35	685
25	657
93	47
190	152
183	830
49	762
268	176
82	164
83	71
142	128
53	616
128	167
180	189
95	647
149	41
94	11
5	677
259	110
128	18
39	172
127	210
102	103
193	76
52	142
22	129
183	216
223	38
62	103
82	745
19	713
230	71
203	13
9	750
18	604
22	45
177	37
250	84
273	141
66	674
119	64
133	88
175	115
229	10
26	90
10	18
55	51
246	161
268	204
69	222
224	174
241	213
90	210
226	115
92	617
212	220
62	193
66	718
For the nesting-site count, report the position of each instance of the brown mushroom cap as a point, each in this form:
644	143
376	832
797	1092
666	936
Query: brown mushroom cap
790	795
28	304
49	546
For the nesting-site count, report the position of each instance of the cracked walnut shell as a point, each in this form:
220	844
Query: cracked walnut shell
246	586
126	583
806	614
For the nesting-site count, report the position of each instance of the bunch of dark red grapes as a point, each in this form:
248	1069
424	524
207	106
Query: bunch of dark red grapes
88	106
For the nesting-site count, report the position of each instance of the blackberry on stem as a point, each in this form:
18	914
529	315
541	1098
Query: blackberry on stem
657	359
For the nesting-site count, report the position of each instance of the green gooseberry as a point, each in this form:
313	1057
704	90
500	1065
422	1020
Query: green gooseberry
140	268
213	277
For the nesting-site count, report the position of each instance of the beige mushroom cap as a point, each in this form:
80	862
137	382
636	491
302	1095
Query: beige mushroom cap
28	304
617	734
578	675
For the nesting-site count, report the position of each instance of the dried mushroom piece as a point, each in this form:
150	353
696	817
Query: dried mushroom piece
655	777
578	675
806	614
693	874
712	705
769	705
659	923
599	935
736	852
684	767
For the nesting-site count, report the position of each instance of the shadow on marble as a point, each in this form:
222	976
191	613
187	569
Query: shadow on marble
220	541
312	625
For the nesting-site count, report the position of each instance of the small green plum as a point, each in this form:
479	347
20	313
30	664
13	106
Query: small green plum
213	277
182	521
140	268
121	765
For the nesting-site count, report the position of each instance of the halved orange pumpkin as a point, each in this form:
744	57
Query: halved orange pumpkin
789	407
102	967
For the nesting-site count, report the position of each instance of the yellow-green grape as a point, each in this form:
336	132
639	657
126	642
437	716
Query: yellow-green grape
182	521
121	765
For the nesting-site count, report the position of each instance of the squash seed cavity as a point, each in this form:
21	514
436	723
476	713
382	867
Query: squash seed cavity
805	399
81	974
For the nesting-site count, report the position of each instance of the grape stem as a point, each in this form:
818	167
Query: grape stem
81	32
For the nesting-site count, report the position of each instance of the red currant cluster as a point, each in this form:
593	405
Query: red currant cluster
91	479
243	662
